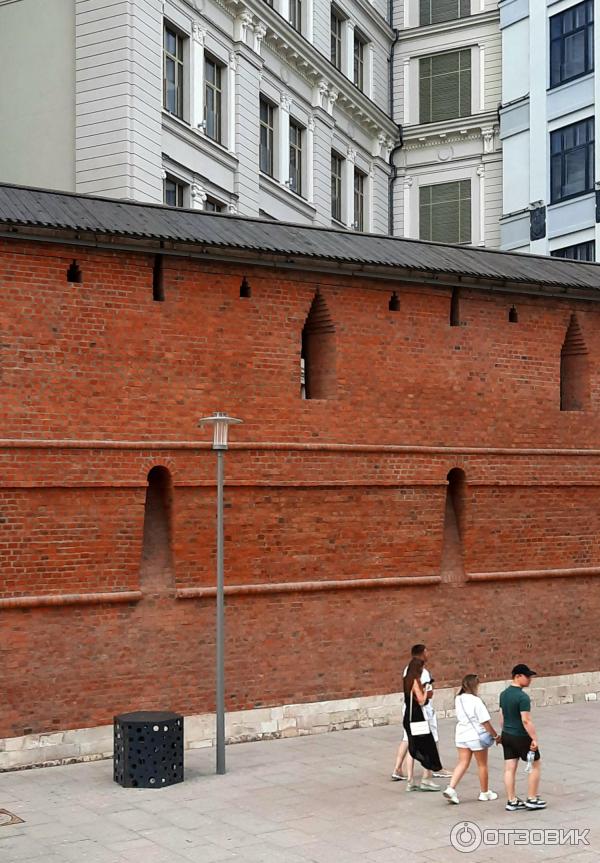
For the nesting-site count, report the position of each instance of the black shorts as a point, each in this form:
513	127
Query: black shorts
517	747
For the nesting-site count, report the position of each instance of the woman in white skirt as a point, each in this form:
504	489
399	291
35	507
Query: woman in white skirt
474	735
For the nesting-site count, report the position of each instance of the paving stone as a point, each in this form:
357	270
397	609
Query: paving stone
323	799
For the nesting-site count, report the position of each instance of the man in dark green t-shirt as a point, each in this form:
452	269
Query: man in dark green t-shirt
519	740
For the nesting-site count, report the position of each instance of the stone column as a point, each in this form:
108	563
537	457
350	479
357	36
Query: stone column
481	175
283	169
348	188
309	13
231	101
198	195
348	48
310	157
369	70
408	182
247	87
322	165
197	77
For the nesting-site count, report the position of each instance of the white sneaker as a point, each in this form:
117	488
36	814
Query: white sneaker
451	795
488	795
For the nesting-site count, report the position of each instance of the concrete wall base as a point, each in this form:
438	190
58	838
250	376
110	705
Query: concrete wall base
288	720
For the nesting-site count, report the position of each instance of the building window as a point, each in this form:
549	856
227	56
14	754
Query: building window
572	160
173	72
296	15
173	192
445	86
580	252
336	39
296	157
445	212
213	94
336	187
435	11
213	206
359	61
266	137
359	200
572	43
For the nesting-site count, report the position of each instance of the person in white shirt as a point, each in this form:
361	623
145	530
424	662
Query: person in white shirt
474	735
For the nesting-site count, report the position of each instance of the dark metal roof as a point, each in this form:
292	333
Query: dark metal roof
38	208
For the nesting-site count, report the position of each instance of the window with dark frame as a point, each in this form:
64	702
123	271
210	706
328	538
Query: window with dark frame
445	212
359	61
296	15
336	39
445	86
336	186
173	72
173	192
436	11
572	160
213	98
213	206
572	43
296	132
267	126
359	200
579	252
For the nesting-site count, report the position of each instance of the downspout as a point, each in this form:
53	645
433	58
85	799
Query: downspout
394	170
391	180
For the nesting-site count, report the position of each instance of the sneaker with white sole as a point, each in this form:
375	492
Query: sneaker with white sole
488	795
451	795
442	774
428	785
397	777
412	786
515	805
535	803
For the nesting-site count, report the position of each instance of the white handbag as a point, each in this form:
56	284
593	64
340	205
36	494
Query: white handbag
417	729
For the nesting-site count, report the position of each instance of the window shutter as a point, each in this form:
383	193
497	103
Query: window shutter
445	212
436	11
425	90
445	86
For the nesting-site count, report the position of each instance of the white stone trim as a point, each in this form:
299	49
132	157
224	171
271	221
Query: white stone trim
287	720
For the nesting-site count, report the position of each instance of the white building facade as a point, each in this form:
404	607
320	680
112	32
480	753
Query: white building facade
446	94
548	121
216	104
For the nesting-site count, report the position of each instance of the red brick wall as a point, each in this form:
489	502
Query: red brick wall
101	361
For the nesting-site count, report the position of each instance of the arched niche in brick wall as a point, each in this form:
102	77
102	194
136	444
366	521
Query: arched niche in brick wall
156	570
452	565
574	370
318	352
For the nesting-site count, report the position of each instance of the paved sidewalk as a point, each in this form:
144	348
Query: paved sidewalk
325	798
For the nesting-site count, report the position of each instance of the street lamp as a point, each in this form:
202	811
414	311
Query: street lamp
220	423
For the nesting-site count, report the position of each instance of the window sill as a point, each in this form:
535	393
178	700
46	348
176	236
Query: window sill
199	140
579	196
585	76
287	196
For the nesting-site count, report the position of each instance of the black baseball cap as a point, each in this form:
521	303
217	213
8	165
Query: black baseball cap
521	668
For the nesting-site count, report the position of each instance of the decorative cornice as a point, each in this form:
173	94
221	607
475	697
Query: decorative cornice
307	61
492	16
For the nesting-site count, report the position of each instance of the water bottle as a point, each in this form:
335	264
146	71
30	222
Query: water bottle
530	760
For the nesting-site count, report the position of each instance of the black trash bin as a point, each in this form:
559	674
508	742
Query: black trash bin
148	749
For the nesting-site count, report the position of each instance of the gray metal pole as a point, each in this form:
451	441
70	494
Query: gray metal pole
220	620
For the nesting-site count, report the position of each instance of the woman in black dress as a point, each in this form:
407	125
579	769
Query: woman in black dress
422	747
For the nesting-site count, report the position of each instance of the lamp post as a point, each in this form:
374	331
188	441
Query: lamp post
220	423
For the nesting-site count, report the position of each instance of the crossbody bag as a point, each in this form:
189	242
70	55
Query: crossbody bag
486	738
417	729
